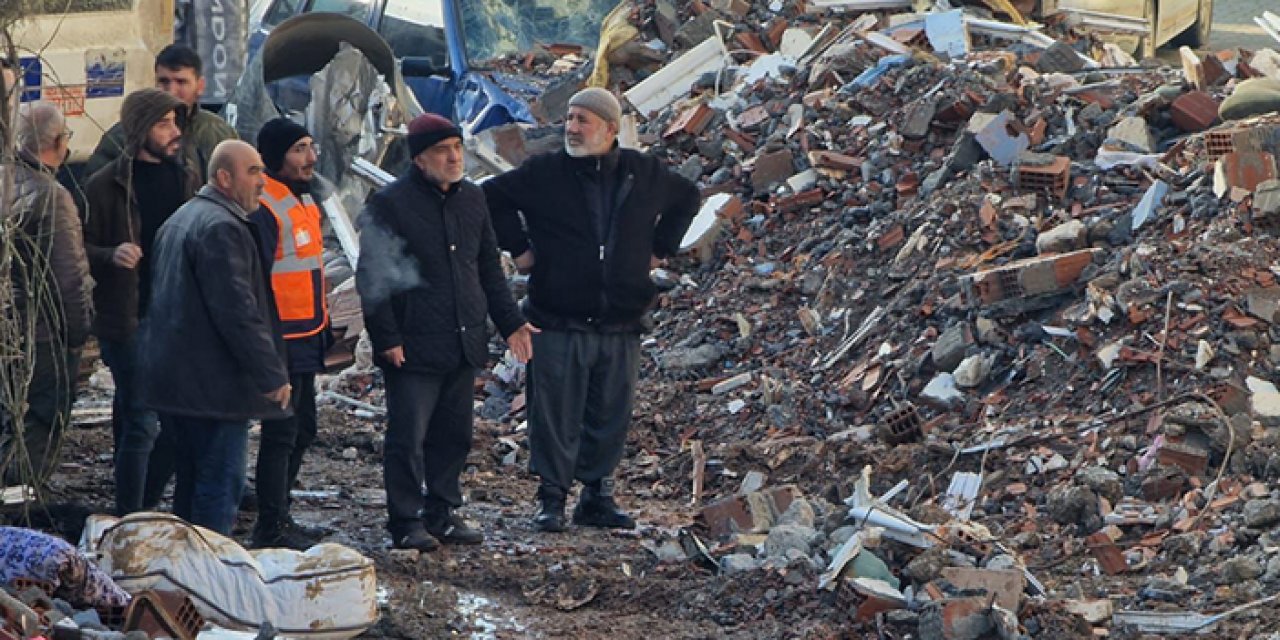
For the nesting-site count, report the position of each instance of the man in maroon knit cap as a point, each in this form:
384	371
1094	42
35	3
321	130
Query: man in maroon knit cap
429	274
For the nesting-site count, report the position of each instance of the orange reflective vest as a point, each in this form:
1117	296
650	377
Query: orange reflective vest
297	276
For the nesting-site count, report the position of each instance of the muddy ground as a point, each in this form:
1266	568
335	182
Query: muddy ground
520	583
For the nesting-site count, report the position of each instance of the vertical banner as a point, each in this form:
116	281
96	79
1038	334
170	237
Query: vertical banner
218	30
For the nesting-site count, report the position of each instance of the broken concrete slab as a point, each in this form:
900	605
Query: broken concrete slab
950	347
947	33
771	168
1005	584
677	77
1130	134
992	132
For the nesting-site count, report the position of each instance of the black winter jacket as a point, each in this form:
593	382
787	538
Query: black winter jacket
429	274
579	276
210	344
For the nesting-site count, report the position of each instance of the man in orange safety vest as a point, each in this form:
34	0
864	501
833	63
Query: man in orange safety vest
289	228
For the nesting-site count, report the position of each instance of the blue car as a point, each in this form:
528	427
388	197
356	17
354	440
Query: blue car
436	41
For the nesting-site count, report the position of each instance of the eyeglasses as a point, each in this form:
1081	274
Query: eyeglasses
68	134
303	147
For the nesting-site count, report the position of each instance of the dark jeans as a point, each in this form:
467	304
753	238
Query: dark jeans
211	474
581	387
49	399
280	453
142	466
428	438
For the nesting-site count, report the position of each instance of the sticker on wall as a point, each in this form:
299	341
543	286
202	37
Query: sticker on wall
32	76
104	73
69	98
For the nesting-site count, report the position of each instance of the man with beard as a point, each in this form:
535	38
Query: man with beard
289	227
211	354
429	274
596	218
128	200
178	72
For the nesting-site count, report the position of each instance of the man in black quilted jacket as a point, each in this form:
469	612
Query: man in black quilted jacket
595	219
429	274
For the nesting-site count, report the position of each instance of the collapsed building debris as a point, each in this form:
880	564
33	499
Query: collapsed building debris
1029	282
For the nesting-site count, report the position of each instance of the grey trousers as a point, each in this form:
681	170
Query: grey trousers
581	389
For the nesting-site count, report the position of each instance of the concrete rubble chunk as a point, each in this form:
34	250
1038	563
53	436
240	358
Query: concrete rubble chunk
942	390
950	348
1059	58
1068	236
771	168
973	371
1130	134
1261	513
1264	399
1266	198
992	131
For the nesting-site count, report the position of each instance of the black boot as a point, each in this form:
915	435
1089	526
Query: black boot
596	508
448	528
550	516
280	536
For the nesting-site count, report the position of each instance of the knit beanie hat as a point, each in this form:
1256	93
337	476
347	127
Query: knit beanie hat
141	110
275	138
600	102
428	129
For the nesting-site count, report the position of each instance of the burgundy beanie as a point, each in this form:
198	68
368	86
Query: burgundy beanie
428	129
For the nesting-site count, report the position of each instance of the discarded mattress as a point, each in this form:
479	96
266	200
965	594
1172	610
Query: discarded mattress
326	592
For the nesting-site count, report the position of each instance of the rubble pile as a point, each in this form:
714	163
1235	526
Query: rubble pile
1028	283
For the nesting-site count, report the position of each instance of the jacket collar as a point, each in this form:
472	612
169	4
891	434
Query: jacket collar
604	163
211	193
34	163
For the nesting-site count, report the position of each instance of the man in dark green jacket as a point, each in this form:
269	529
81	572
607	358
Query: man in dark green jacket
178	73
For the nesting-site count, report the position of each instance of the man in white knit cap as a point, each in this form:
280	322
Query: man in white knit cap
595	218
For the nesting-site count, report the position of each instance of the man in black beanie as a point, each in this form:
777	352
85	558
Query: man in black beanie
429	274
289	226
127	201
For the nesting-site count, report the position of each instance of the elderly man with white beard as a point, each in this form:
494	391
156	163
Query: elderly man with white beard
596	219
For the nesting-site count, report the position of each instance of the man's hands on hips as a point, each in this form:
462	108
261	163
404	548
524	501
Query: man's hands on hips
524	262
521	342
395	356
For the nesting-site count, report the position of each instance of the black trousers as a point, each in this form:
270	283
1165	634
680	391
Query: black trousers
280	453
49	398
581	390
429	421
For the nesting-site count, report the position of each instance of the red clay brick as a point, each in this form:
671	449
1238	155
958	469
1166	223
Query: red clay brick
1194	111
1248	169
1107	553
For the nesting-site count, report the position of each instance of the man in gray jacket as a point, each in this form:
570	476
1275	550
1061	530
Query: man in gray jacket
211	353
51	282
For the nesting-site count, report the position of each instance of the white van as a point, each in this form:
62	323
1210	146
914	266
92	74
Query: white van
86	55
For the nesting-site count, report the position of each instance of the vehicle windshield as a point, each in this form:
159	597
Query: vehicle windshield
496	28
79	6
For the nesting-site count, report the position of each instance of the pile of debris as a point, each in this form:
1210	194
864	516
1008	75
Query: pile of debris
1029	281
